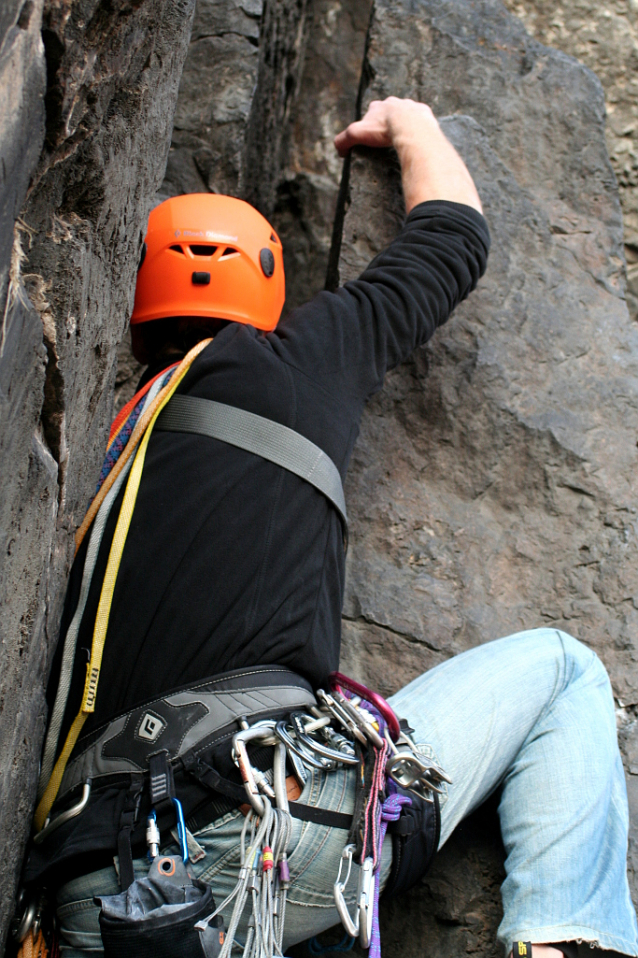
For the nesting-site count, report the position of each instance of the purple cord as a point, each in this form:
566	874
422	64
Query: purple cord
389	813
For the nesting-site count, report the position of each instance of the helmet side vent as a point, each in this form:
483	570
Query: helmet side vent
177	249
202	250
229	252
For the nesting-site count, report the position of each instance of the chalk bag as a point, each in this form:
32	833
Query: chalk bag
155	917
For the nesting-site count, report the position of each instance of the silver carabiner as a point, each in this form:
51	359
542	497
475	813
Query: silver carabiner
358	717
351	927
305	740
366	902
51	824
294	746
253	779
341	716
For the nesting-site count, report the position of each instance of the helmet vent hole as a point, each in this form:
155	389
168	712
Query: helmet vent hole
202	250
177	249
267	261
228	252
273	238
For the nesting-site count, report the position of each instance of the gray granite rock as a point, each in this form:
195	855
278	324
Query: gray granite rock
493	484
112	78
215	99
27	470
604	36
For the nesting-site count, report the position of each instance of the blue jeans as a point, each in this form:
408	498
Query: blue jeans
532	712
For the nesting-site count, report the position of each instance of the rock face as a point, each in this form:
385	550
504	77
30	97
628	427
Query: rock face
94	147
27	469
309	181
493	485
605	38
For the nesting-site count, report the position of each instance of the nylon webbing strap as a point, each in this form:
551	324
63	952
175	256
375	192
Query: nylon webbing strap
263	437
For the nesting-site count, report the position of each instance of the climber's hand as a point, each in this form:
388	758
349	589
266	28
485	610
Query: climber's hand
431	168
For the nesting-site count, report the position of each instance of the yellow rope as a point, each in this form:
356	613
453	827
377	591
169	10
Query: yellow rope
108	587
135	437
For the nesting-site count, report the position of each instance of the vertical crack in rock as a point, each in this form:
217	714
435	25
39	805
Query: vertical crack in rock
308	189
215	96
281	51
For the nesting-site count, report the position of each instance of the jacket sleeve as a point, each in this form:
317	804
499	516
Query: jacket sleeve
350	339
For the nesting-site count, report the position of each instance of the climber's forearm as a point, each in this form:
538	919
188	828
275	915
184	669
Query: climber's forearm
431	169
430	166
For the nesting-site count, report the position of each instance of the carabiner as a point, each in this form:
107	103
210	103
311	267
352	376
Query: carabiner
181	829
338	679
253	779
366	902
279	777
358	717
350	926
323	751
293	745
341	716
51	824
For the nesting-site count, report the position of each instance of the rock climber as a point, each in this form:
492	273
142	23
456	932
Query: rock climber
229	575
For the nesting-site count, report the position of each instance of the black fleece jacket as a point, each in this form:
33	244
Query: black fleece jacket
231	561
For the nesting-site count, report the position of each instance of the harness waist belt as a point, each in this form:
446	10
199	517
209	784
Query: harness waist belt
263	437
187	721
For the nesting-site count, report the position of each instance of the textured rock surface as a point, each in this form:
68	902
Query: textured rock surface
605	38
27	470
112	74
256	118
493	484
309	183
215	99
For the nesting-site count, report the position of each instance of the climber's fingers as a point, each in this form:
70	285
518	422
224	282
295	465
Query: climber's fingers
383	122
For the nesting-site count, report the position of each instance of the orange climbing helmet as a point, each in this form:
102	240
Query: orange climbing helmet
211	256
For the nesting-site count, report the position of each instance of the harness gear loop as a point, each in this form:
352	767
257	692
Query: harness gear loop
110	576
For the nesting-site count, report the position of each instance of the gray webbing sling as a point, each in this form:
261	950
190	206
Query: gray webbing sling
263	437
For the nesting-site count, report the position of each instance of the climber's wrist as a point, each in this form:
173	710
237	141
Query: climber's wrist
431	169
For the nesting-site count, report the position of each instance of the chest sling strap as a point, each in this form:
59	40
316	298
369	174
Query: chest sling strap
265	438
